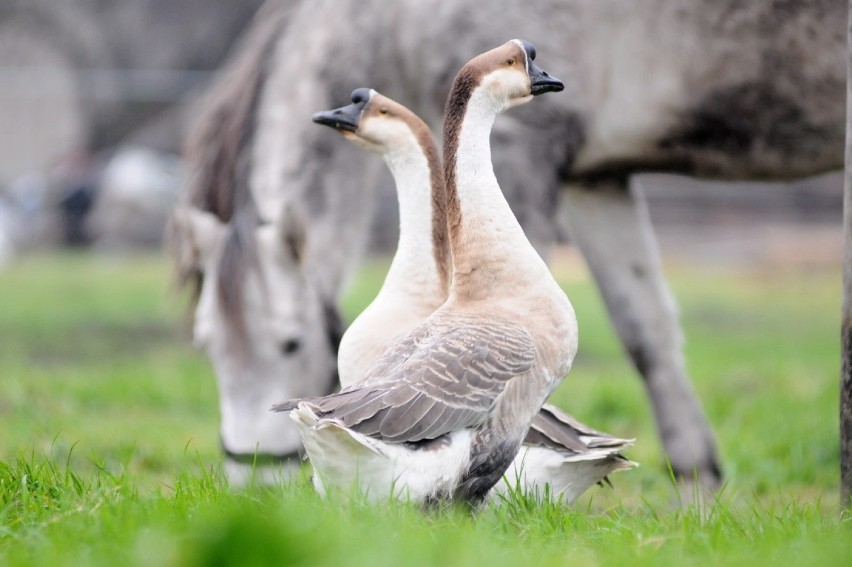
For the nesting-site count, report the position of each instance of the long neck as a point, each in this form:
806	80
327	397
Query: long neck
422	261
489	247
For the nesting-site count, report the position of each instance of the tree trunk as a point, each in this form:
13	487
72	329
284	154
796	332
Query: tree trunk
846	321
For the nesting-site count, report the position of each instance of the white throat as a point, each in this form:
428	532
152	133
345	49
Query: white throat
490	248
414	265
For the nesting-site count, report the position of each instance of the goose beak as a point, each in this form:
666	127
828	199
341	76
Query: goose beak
541	82
344	119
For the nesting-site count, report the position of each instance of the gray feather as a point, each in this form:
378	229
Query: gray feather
439	378
555	429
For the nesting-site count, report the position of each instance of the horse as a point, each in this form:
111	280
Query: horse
717	89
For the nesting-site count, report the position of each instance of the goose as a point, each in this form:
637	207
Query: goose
443	412
560	456
417	281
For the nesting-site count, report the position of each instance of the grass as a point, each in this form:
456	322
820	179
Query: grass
109	452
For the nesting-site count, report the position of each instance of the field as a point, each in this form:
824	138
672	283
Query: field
109	454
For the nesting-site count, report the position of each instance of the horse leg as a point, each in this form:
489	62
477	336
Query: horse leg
611	226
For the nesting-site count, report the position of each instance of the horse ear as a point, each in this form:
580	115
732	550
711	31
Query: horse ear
292	231
202	231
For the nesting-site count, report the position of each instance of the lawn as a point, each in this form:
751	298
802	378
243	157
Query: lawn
109	447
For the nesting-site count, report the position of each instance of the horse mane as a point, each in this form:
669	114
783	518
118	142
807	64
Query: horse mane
218	155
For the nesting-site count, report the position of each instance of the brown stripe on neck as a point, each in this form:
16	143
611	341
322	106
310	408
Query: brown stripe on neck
463	85
440	235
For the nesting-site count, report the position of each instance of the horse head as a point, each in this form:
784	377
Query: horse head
265	327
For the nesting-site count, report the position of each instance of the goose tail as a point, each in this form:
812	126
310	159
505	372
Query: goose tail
563	457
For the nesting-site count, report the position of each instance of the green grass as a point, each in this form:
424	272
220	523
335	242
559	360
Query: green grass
109	452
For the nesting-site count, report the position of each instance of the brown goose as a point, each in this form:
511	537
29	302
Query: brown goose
443	412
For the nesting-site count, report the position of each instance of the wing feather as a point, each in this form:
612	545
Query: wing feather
419	407
437	379
555	429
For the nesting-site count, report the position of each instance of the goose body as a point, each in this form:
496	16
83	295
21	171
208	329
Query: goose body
408	472
442	413
560	456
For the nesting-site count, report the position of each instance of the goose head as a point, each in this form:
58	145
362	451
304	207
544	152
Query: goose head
508	75
373	121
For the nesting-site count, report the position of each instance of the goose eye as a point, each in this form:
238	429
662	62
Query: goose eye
383	111
510	61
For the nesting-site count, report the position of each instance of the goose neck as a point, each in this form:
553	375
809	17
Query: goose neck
420	260
489	247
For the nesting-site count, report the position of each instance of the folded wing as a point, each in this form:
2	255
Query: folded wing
432	382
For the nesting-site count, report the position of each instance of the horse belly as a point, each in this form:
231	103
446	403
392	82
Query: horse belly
747	91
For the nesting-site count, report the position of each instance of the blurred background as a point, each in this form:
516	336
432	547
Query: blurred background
96	95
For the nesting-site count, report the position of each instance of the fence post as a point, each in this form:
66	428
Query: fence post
846	319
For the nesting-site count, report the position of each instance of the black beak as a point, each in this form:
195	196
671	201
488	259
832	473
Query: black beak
343	118
347	117
541	82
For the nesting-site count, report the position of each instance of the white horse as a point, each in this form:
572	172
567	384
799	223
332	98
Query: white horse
713	88
263	327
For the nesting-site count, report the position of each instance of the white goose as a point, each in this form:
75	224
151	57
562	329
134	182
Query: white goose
417	280
560	456
443	412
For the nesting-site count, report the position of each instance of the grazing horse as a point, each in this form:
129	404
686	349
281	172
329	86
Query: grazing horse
263	327
719	89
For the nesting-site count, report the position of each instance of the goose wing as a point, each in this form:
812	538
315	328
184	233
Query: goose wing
554	429
432	382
